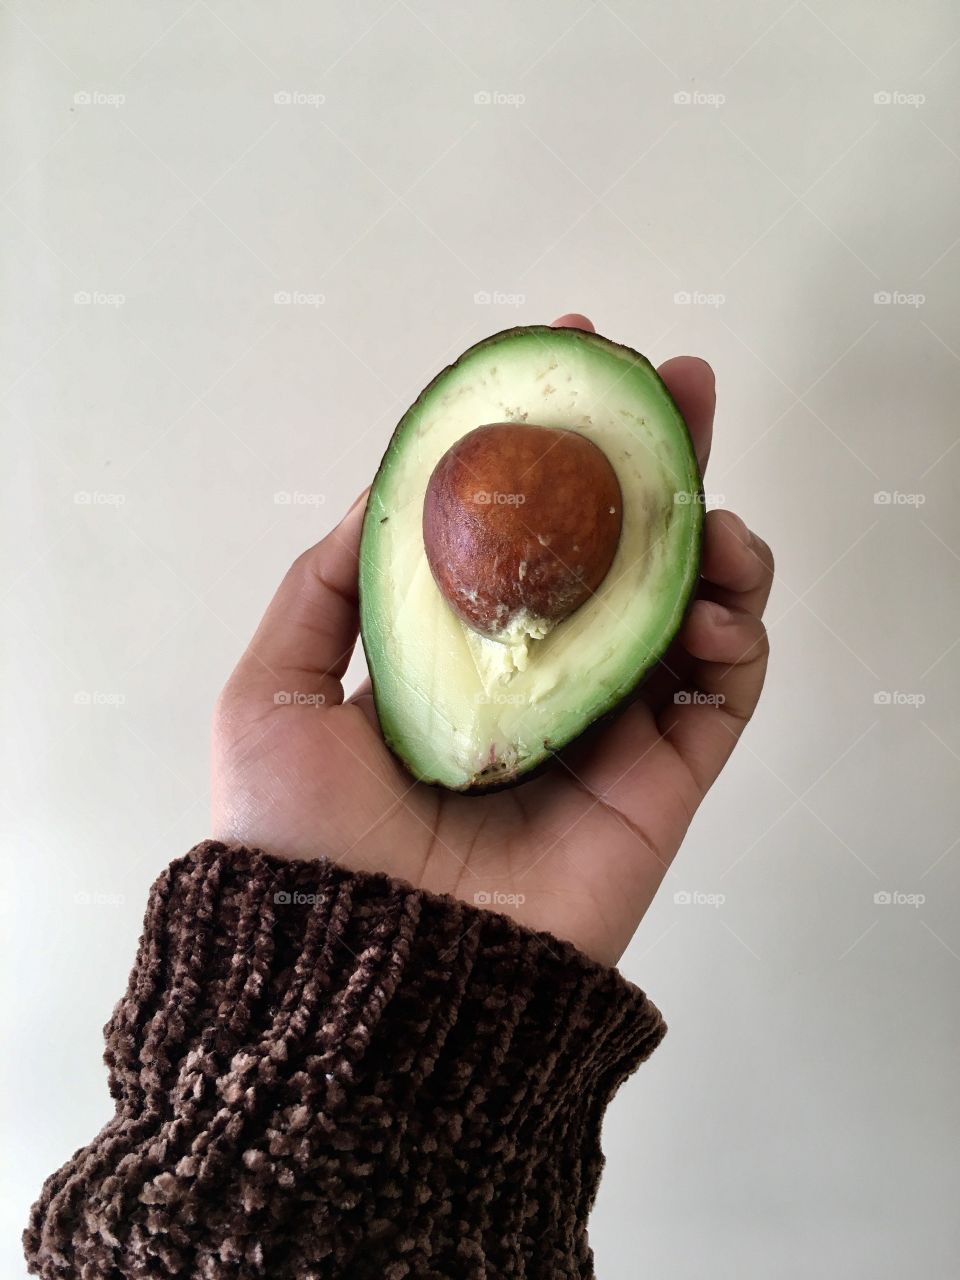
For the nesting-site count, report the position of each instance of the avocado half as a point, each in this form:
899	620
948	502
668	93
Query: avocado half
471	713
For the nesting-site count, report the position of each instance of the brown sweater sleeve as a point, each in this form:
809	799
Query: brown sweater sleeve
321	1073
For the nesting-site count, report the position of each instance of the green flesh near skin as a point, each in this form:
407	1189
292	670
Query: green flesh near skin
469	713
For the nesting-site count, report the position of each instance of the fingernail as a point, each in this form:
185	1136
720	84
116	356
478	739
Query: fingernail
362	498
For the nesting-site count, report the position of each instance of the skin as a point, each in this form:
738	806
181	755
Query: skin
585	846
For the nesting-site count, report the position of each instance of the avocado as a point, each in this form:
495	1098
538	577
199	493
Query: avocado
530	546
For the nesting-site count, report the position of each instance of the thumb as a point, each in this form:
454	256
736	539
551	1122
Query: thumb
307	635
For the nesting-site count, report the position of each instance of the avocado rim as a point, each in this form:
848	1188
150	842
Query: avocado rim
498	779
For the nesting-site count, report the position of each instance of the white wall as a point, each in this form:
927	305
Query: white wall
801	1118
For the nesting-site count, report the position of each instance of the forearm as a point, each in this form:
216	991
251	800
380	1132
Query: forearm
320	1073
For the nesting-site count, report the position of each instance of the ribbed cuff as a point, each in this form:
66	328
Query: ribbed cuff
322	1073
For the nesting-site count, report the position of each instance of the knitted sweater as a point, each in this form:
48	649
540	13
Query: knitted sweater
323	1073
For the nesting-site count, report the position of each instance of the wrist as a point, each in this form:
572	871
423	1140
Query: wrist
320	1064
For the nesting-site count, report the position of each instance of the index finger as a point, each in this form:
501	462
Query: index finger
693	386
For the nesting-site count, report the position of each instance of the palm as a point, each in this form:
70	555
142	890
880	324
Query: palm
551	853
578	851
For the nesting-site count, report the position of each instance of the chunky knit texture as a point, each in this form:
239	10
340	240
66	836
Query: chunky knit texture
320	1073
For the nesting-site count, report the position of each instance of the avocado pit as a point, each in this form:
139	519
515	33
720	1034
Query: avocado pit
520	526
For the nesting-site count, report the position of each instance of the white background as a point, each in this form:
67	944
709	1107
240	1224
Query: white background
801	1118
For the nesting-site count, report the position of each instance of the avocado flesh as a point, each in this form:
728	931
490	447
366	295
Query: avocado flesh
471	713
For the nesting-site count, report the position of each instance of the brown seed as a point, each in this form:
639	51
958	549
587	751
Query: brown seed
520	525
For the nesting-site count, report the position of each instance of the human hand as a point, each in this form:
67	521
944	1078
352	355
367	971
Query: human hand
579	851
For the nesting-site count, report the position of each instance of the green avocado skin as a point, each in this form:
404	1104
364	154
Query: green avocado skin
369	572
